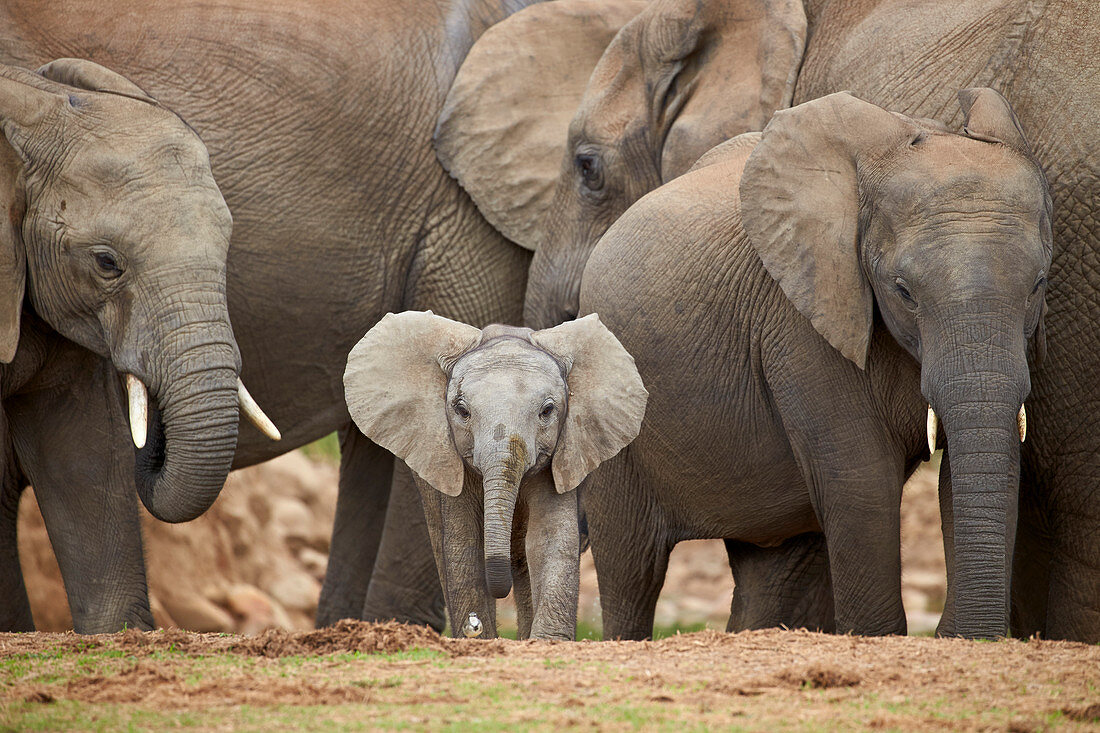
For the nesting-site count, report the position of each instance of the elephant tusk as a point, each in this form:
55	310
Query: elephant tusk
138	398
933	429
472	627
1021	423
254	414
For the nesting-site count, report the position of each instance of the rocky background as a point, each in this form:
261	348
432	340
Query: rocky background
256	560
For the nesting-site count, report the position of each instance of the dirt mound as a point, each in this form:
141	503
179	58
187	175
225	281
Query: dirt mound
345	636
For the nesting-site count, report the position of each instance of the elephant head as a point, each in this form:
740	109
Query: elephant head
505	402
556	142
116	237
855	210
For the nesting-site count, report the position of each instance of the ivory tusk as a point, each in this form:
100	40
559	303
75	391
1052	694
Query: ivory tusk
254	414
1021	423
933	429
138	398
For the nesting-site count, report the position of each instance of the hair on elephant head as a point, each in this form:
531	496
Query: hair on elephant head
506	402
632	111
117	236
855	210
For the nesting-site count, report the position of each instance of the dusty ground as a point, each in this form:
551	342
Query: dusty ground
359	676
256	560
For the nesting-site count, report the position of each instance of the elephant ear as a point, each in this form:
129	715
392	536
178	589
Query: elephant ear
989	117
84	74
716	70
396	389
27	101
606	397
503	128
800	197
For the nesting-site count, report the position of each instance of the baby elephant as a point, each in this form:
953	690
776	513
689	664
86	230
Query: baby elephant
500	426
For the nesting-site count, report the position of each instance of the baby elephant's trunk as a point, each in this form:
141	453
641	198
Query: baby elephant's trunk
502	474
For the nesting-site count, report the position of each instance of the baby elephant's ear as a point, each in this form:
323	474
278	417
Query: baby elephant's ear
396	389
606	397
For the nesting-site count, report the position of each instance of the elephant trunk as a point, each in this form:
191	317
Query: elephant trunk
502	475
979	405
192	436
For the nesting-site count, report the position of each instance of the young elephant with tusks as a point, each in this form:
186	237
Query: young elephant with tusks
515	417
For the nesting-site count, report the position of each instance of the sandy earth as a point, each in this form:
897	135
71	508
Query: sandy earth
256	560
375	675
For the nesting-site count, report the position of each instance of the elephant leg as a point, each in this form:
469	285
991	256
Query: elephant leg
73	444
521	573
861	519
405	583
787	585
553	554
630	547
15	609
366	471
455	525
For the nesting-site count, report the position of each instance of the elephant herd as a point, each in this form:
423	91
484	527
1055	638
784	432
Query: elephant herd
826	236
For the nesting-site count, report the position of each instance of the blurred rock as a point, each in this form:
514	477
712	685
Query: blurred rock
261	546
196	613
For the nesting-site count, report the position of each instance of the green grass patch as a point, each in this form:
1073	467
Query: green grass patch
325	450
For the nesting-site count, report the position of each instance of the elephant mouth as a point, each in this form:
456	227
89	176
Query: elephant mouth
149	460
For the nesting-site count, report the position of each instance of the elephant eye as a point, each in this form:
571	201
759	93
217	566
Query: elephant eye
461	410
107	264
1039	284
903	291
591	171
547	410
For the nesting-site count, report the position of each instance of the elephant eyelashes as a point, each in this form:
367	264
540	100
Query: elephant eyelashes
462	411
107	265
903	291
591	171
547	410
1039	284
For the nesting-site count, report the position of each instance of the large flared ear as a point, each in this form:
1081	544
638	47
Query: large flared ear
13	258
84	74
606	397
396	389
989	117
716	70
26	102
503	129
800	209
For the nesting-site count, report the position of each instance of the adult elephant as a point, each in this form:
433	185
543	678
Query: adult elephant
112	260
566	113
318	117
859	271
911	56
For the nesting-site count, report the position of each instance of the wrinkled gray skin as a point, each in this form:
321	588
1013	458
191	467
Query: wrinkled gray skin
790	375
677	79
910	57
480	416
318	118
111	207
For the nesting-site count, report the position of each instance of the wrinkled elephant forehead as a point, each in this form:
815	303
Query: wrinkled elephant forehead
507	357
